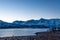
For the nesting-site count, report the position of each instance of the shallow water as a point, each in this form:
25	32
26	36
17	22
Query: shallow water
19	32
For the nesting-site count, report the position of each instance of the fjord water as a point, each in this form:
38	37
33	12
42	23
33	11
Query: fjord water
20	32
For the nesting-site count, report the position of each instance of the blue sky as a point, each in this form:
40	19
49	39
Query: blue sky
11	10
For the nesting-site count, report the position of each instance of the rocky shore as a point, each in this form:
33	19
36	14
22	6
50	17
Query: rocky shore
52	34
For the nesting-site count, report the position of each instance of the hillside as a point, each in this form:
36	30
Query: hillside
41	23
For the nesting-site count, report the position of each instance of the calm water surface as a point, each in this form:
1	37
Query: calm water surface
19	32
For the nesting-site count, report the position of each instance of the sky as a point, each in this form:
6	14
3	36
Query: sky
11	10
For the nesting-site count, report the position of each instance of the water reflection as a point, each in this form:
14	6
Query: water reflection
19	32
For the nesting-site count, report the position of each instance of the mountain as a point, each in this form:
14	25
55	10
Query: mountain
41	23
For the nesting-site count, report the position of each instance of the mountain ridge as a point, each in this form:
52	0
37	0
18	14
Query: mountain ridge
31	23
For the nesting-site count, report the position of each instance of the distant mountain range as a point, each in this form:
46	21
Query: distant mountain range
42	23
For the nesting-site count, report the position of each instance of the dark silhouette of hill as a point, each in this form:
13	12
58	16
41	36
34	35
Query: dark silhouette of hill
41	23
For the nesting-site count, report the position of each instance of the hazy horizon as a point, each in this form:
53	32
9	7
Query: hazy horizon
11	10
